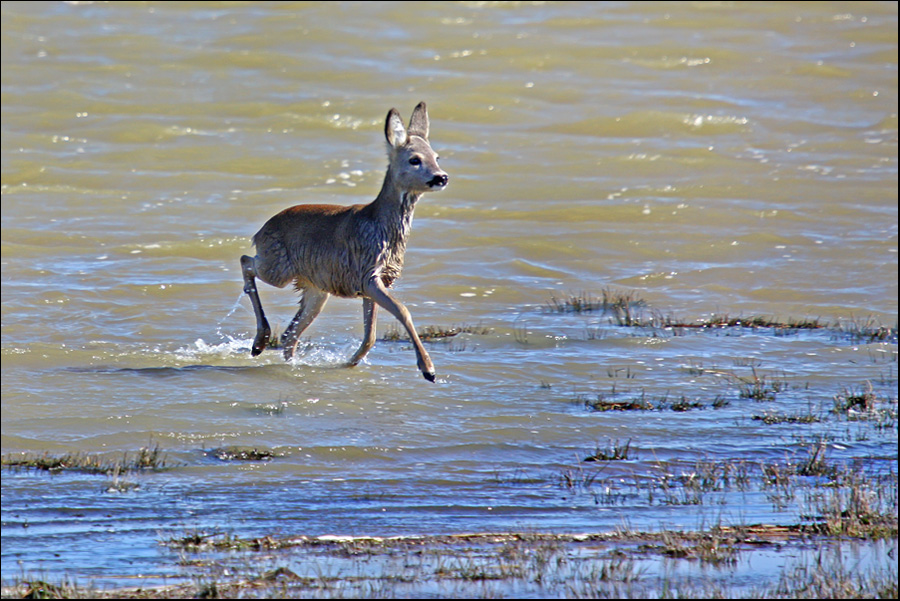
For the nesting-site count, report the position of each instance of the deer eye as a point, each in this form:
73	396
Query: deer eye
415	161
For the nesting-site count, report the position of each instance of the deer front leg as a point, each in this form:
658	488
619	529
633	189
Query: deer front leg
262	325
376	290
369	311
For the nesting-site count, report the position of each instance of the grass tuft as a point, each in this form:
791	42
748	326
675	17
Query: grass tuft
603	404
433	333
796	418
623	305
240	453
613	452
848	401
146	459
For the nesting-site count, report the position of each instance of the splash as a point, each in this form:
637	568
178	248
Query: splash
309	353
229	348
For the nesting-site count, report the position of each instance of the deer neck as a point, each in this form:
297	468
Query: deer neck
393	209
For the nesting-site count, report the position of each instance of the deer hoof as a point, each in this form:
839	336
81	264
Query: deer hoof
260	342
429	375
258	347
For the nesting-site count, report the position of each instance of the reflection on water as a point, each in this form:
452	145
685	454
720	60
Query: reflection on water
710	159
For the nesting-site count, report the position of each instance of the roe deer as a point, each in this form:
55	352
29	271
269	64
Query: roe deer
349	251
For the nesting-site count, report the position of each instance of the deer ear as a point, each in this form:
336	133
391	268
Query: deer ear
394	130
418	123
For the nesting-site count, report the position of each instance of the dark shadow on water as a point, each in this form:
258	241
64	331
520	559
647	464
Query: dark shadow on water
171	371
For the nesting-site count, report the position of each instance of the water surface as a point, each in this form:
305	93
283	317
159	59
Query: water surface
735	159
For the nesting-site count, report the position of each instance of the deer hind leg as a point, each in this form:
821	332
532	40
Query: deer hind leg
377	292
311	304
369	311
248	269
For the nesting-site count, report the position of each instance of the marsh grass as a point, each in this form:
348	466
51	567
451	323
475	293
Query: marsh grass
601	403
859	401
756	385
691	484
578	478
274	341
826	575
864	331
241	453
623	306
760	387
196	541
613	452
816	463
38	589
839	502
714	547
120	483
574	303
433	333
146	459
626	308
686	404
120	472
834	500
541	565
266	409
794	418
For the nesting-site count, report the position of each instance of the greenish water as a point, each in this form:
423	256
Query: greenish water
711	158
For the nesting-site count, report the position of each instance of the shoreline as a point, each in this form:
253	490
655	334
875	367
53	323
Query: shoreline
518	564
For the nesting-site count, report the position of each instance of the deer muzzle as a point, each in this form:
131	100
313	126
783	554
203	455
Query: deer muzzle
438	181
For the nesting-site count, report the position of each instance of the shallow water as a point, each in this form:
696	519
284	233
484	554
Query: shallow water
711	158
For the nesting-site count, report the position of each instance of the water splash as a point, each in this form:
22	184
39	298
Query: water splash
309	353
201	349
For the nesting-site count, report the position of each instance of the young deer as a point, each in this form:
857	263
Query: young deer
349	251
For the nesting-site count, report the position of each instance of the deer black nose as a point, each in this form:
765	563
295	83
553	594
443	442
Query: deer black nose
438	181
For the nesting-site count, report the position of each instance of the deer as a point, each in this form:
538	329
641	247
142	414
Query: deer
349	251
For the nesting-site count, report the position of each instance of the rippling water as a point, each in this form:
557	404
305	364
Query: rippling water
708	158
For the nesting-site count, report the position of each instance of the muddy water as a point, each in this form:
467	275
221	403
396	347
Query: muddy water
708	158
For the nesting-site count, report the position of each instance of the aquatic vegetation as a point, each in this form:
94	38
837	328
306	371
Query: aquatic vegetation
603	404
241	453
147	458
627	309
714	547
836	502
613	452
799	470
857	401
797	418
624	306
616	564
864	331
433	333
760	387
